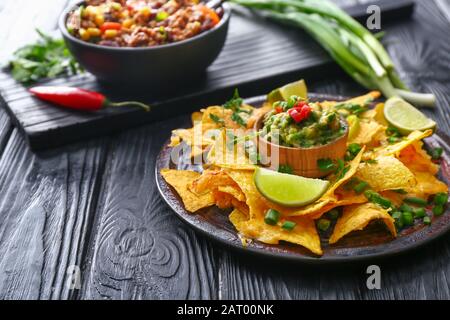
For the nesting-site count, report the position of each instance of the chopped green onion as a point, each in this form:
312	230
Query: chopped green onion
416	201
333	214
419	213
354	148
440	198
360	187
427	220
288	225
376	198
405	207
407	218
392	140
438	210
400	191
272	217
285	168
323	224
216	119
396	214
436	153
326	164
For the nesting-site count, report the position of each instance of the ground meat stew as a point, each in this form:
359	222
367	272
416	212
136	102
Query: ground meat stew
140	23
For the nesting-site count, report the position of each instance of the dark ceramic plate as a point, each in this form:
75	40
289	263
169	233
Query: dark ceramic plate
373	242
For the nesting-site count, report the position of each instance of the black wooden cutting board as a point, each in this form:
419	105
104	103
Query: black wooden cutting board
258	55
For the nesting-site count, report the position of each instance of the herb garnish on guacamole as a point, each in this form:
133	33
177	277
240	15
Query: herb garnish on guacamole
296	123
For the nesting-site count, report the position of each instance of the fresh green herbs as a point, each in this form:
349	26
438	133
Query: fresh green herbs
47	58
216	119
235	104
323	224
337	167
272	217
436	153
285	168
352	151
376	198
326	164
288	225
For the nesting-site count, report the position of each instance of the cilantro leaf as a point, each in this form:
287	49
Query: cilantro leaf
47	58
216	119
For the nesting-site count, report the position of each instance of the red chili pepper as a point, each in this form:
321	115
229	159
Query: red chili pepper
299	113
110	26
79	99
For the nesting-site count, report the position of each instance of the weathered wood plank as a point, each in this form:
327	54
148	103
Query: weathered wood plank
46	210
140	249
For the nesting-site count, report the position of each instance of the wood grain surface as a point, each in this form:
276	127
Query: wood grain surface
94	204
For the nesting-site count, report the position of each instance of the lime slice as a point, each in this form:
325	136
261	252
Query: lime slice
405	117
287	189
297	88
353	126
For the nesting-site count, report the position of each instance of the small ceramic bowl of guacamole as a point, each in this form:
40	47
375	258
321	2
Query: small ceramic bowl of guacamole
296	134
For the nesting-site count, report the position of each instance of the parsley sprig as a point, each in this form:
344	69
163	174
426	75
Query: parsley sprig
47	58
235	104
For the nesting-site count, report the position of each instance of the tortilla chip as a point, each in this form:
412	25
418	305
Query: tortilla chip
367	130
417	159
304	233
210	180
427	184
356	199
231	155
388	173
357	217
395	149
180	180
234	191
329	197
256	114
372	95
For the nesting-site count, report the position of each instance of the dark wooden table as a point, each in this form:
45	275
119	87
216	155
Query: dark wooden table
94	206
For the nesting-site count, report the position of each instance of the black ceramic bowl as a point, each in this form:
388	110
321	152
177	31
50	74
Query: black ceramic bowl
150	66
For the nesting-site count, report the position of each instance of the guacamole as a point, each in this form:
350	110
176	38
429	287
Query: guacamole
318	127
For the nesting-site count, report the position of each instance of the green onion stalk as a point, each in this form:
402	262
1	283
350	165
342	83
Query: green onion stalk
352	46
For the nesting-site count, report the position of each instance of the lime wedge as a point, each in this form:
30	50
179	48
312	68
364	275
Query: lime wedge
287	189
405	117
353	126
297	88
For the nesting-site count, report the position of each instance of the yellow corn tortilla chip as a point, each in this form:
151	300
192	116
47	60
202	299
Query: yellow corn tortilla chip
339	203
357	217
180	180
417	159
368	129
329	196
231	155
395	149
304	233
372	95
387	173
427	184
234	191
210	180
